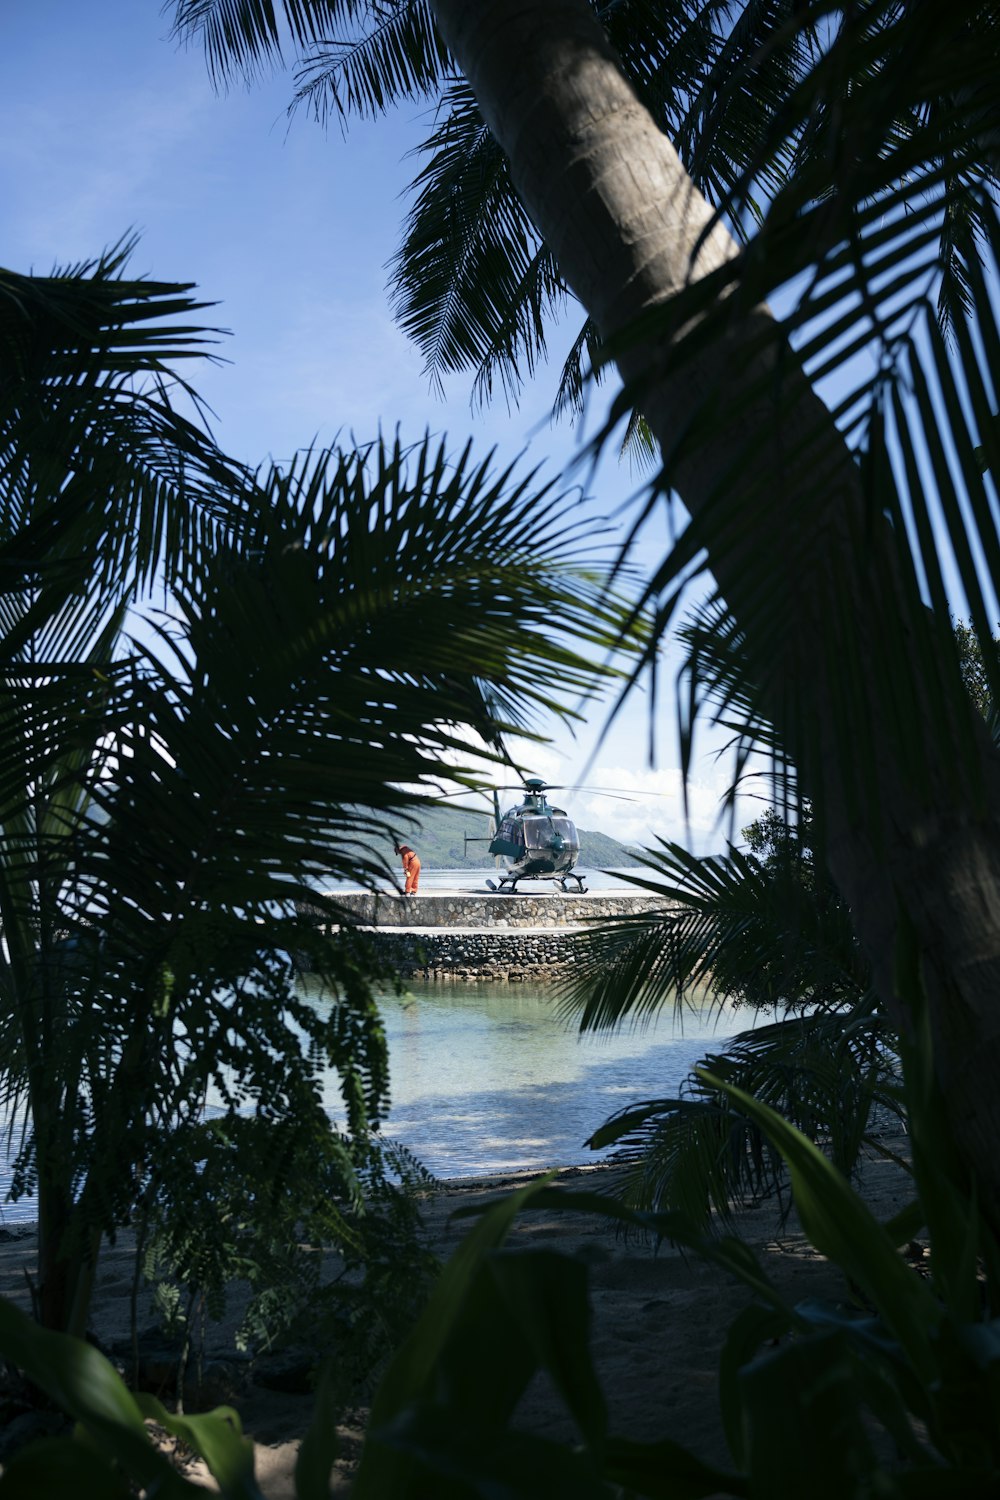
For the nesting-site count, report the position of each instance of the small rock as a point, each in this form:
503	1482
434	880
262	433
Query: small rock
27	1428
290	1370
223	1381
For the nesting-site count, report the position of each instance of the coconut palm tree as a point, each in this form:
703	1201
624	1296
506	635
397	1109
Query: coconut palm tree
333	631
837	533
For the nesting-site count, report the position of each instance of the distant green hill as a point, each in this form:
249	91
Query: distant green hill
440	843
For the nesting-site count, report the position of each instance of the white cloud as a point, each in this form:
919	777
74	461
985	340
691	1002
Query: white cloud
655	808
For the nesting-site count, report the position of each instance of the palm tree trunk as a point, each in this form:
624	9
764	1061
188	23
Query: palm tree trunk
914	839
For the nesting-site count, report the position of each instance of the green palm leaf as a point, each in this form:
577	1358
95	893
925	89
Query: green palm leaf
352	56
767	934
700	1154
251	36
160	859
472	284
397	55
104	483
921	470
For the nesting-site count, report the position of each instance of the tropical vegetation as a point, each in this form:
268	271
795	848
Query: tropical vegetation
765	930
833	533
762	931
676	167
170	802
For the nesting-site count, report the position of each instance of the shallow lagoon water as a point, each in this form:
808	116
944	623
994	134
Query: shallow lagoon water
489	1078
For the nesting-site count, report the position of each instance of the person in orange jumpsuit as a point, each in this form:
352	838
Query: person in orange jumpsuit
411	868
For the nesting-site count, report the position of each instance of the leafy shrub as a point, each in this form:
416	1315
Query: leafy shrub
323	1229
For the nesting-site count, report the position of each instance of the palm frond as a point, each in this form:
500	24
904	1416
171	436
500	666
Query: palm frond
103	482
582	363
917	410
336	661
471	284
397	55
159	867
832	1075
249	37
350	56
714	75
771	934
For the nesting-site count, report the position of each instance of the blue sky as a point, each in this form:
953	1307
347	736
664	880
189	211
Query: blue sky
108	127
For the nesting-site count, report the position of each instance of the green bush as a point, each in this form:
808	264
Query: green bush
323	1230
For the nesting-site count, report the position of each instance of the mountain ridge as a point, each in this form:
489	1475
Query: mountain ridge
440	840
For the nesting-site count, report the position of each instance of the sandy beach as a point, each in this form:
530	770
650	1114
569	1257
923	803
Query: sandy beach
659	1318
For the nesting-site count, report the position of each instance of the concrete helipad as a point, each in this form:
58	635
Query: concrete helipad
477	911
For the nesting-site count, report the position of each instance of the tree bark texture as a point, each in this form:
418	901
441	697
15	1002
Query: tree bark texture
913	838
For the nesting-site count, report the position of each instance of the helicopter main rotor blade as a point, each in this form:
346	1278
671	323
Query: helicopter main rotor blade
593	791
612	791
465	791
618	794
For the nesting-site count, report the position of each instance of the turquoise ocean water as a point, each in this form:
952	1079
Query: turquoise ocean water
489	1078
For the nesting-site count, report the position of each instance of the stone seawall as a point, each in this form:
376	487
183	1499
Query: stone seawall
484	936
512	957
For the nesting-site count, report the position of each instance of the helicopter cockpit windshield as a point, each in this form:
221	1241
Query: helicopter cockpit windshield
542	833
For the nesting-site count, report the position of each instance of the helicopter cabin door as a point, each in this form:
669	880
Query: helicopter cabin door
508	840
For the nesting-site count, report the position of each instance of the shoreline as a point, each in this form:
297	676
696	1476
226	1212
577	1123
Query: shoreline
13	1230
659	1316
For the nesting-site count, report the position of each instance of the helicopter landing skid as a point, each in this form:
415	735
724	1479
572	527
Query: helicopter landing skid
509	887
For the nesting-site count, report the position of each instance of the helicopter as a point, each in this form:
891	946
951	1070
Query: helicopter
536	840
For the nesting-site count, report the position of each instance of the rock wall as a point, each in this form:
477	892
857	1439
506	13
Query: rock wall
503	957
484	936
